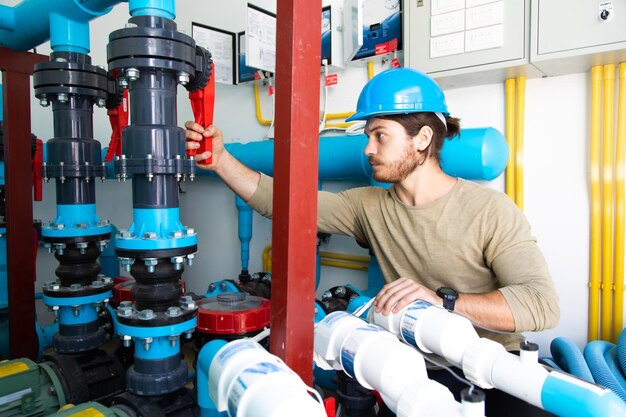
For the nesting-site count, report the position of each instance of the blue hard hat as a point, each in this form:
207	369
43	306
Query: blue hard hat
399	91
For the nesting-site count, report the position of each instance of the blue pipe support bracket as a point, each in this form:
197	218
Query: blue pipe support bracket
205	357
158	8
245	230
30	22
86	313
76	220
154	229
565	395
159	348
45	336
160	331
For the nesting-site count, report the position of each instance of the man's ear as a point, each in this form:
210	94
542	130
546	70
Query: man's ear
423	138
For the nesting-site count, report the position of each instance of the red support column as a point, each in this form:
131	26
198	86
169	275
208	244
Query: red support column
294	228
17	68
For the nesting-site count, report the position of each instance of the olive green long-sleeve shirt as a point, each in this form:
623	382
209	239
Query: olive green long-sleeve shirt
474	239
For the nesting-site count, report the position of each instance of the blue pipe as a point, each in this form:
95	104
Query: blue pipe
621	350
567	396
477	154
205	357
32	22
159	8
245	230
569	358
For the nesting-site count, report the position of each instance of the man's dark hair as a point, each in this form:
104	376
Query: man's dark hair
413	122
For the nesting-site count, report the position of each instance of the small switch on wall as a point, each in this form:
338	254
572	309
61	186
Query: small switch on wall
605	12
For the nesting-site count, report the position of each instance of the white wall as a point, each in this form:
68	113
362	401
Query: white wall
556	191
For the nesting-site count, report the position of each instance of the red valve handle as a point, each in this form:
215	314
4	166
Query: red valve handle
119	120
202	105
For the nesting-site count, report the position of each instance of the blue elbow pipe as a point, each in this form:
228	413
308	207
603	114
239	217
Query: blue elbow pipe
245	230
32	22
621	350
569	358
205	357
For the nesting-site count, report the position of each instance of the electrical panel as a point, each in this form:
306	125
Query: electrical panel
468	42
570	37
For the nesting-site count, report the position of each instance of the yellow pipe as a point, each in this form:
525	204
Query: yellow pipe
510	138
607	202
370	70
257	105
345	257
335	116
519	142
337	125
267	259
596	204
345	265
620	161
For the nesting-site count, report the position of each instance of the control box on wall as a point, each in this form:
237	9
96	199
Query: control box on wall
468	42
571	37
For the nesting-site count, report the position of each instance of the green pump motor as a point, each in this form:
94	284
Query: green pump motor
29	389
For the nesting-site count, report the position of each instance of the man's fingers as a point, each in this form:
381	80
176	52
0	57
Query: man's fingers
202	156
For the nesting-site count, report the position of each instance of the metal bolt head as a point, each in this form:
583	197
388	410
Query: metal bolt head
125	234
174	311
75	287
146	315
340	291
55	287
211	287
151	262
62	97
150	235
126	304
190	231
44	102
189	334
187	303
183	78
123	83
100	102
97	284
326	295
173	339
82	226
126	340
177	234
132	74
223	286
130	25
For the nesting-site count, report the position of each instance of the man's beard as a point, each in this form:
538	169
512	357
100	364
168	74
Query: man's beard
398	170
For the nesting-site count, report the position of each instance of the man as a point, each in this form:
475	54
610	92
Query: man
436	238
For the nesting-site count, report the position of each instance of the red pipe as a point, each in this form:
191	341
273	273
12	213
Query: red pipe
294	229
17	67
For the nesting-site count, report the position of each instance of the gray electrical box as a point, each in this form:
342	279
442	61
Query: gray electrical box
572	36
468	42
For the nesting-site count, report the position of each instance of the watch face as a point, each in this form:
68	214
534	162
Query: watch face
445	291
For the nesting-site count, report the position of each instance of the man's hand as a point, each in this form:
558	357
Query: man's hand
196	133
396	295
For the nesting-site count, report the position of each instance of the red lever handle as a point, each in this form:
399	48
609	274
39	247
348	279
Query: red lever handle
202	105
119	120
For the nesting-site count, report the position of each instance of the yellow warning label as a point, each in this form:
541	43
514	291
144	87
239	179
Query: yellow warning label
12	368
87	412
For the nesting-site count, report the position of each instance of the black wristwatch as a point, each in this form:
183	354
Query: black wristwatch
449	297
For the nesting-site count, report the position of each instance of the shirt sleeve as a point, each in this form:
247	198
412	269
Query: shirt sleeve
336	212
520	268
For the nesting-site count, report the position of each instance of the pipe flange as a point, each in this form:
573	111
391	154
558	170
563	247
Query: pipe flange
151	47
55	80
128	314
154	166
99	286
